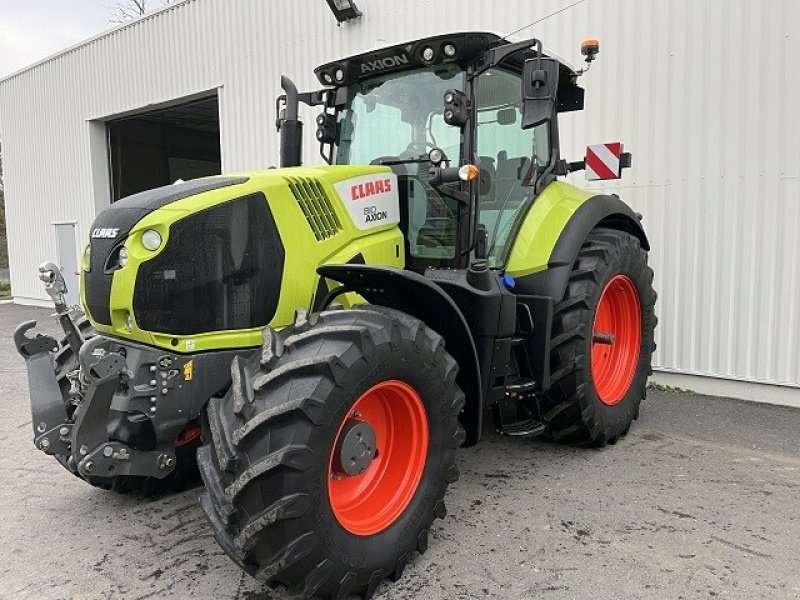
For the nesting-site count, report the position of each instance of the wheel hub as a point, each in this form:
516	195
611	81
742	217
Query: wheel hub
356	447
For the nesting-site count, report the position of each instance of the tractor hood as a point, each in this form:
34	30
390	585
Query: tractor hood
208	263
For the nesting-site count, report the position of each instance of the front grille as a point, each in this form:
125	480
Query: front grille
220	270
316	206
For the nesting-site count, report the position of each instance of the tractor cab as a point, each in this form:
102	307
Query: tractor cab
430	107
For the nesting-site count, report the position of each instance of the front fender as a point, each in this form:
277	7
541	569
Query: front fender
419	297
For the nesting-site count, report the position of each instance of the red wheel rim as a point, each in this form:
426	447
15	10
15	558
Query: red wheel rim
616	340
369	503
187	436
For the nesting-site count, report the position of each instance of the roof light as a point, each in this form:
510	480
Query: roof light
344	10
339	74
468	172
449	50
428	54
327	78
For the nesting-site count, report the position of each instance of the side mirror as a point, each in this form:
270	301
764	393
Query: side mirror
539	89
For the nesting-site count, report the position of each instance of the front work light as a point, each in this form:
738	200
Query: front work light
122	257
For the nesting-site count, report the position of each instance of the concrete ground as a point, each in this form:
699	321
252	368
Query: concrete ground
701	500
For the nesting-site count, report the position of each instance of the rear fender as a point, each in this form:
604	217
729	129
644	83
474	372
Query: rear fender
419	297
550	279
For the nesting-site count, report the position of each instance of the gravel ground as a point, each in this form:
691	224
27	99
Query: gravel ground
701	500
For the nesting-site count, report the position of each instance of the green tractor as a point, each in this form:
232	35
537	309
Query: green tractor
318	341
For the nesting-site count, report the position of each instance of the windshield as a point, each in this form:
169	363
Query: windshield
399	117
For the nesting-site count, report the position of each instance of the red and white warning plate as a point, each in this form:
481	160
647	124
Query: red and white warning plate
603	161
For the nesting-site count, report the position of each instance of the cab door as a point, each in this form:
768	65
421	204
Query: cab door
510	159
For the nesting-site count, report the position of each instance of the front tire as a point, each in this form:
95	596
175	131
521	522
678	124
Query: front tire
286	502
602	342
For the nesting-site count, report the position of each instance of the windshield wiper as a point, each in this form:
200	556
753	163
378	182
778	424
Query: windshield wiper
402	161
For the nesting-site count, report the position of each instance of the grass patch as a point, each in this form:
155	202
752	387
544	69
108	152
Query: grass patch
5	289
669	389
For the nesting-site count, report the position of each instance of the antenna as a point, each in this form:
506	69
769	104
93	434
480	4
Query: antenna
544	18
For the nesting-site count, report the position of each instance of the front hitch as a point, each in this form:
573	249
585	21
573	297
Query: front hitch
93	454
82	439
48	411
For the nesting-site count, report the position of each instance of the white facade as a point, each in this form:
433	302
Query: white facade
704	95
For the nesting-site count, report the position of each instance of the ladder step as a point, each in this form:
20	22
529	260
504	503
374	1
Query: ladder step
520	428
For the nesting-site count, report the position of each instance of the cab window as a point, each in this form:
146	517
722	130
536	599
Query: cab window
510	158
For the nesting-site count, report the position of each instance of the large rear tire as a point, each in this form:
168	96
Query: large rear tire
602	342
278	493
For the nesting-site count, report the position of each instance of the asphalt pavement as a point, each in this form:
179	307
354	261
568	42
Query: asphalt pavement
700	500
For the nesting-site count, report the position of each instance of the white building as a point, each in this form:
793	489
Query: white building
704	95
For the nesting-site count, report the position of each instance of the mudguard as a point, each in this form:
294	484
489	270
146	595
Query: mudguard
575	217
421	298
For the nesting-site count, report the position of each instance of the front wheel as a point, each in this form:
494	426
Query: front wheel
602	342
331	453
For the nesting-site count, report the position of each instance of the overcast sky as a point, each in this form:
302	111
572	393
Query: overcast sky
33	29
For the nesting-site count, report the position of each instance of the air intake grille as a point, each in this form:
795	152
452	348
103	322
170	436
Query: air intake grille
316	206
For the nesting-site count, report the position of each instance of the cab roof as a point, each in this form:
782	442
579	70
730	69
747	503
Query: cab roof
468	47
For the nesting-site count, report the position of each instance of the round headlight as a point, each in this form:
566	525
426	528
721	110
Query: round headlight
427	54
122	257
151	240
87	257
449	97
339	75
450	50
326	77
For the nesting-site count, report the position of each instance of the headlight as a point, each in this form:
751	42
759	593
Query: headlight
151	240
87	257
122	259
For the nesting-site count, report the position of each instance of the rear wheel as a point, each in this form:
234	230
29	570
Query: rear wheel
332	451
602	342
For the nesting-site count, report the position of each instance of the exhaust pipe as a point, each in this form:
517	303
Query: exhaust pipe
291	127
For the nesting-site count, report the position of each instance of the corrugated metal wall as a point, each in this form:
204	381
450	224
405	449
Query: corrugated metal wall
703	93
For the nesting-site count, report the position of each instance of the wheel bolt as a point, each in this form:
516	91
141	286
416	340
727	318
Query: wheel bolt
335	476
44	444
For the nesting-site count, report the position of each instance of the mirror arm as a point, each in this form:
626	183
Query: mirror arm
495	56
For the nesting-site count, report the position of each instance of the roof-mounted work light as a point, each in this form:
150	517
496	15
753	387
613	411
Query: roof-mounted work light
344	10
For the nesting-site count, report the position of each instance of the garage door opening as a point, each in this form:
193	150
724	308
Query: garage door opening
159	147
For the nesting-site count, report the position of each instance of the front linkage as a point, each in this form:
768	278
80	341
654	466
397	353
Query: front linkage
114	412
75	428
